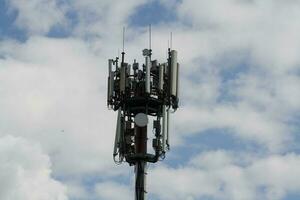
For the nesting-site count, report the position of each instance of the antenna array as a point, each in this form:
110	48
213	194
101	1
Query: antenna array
139	92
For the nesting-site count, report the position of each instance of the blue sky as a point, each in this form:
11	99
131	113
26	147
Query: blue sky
151	13
235	136
7	28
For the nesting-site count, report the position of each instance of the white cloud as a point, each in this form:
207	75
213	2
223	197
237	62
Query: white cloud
25	172
227	175
102	20
58	97
241	120
256	44
37	16
267	29
113	191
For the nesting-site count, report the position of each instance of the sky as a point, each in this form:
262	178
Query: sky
236	135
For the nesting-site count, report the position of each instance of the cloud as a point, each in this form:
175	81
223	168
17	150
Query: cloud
103	19
228	175
239	69
58	97
25	172
37	16
267	29
113	191
253	126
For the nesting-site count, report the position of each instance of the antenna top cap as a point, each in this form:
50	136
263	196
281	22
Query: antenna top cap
146	52
141	119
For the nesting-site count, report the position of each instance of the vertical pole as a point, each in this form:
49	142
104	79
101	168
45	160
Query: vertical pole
123	38
150	36
140	167
171	38
123	53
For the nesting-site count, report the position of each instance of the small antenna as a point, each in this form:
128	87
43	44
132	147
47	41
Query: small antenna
149	36
171	41
123	53
168	49
123	38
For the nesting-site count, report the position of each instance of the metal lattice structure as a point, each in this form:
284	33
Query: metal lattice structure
138	92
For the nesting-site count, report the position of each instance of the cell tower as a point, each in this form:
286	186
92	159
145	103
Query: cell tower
139	93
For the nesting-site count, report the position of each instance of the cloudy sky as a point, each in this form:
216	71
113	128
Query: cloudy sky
235	136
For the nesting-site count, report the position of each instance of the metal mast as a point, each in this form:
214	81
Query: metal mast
141	93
